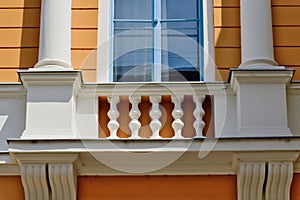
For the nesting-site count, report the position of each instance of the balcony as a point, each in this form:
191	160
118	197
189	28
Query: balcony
149	110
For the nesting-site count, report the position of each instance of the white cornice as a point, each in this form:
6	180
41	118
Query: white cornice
161	157
12	90
41	78
265	76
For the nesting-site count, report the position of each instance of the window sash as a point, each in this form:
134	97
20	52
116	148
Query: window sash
157	54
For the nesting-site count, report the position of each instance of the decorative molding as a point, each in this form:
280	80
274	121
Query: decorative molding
135	114
12	90
280	176
250	181
62	178
199	114
113	114
34	180
177	114
255	76
155	114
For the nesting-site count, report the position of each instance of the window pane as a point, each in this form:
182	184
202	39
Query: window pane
132	52
133	9
179	9
180	51
183	29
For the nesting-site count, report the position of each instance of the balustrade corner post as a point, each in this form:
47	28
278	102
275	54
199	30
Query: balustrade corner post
113	114
135	114
199	113
177	114
155	114
261	102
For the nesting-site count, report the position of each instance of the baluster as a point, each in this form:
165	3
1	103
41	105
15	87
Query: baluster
135	114
113	115
155	114
199	114
177	114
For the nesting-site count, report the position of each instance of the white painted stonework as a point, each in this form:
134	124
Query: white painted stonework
55	35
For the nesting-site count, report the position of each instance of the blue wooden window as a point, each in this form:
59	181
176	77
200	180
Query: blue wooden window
157	40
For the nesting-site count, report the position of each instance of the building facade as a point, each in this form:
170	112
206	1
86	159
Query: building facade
149	99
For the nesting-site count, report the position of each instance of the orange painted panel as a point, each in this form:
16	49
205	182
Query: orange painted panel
295	188
11	188
18	58
226	3
89	76
9	75
227	57
84	59
222	75
18	37
84	38
286	15
84	3
286	36
227	37
285	2
287	55
85	19
157	187
20	3
20	17
226	17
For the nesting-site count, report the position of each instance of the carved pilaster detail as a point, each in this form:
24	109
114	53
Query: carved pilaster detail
62	181
199	114
251	178
155	114
280	176
135	114
177	114
113	114
34	181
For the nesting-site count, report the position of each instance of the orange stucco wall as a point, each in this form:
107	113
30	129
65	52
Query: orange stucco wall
157	187
295	189
286	30
11	188
19	36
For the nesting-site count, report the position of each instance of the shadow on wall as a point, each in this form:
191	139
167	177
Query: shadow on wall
227	37
30	34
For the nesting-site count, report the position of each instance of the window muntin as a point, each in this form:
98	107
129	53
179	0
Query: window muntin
150	40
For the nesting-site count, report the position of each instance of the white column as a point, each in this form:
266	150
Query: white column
256	34
55	35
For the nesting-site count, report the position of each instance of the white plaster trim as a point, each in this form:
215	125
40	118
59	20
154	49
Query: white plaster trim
260	77
62	181
34	181
250	180
49	65
280	176
25	158
42	78
12	90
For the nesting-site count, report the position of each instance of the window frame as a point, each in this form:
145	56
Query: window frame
105	45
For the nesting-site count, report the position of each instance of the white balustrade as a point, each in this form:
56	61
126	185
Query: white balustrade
155	92
155	114
113	114
199	114
135	114
177	114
